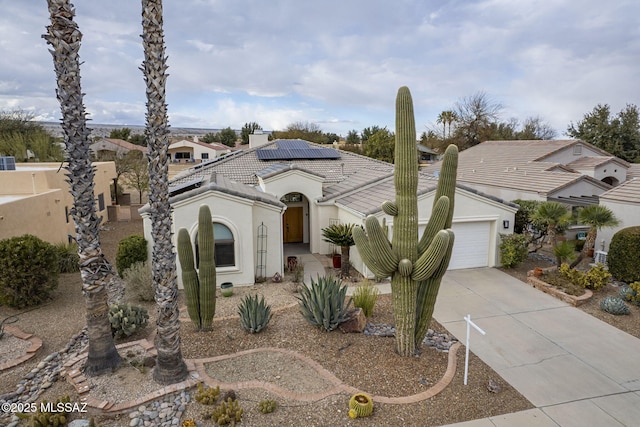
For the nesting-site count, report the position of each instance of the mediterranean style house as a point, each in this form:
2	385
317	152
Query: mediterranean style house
286	191
571	172
35	199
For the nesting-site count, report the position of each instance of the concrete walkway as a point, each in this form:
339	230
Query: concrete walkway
577	370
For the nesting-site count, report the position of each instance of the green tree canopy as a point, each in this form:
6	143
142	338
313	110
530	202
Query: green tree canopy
123	134
353	137
25	139
619	135
381	146
228	137
248	129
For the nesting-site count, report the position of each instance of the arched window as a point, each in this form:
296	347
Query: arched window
224	247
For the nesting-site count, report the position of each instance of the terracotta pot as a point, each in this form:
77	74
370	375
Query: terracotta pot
337	260
537	271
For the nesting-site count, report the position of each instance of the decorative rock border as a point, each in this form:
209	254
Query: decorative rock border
36	344
197	373
338	385
76	378
552	290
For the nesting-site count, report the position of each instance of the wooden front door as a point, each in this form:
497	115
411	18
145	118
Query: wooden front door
292	225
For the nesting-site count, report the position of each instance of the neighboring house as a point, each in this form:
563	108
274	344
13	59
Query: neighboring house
186	151
624	202
426	154
35	199
569	171
110	147
286	191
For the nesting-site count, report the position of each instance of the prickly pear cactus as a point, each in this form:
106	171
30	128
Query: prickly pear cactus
614	305
416	266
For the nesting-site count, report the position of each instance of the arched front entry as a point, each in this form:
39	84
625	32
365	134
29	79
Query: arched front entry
295	221
611	181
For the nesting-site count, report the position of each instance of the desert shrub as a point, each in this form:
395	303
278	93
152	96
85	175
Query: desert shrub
579	244
323	303
513	249
139	281
365	297
523	216
68	258
130	250
631	293
596	278
623	255
29	267
126	319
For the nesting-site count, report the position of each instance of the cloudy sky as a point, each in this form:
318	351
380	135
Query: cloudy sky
337	63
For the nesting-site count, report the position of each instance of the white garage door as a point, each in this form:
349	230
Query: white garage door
471	247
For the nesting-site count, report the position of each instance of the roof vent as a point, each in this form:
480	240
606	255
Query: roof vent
7	163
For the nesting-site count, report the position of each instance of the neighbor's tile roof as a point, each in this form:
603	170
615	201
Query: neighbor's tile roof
517	165
628	191
126	145
590	162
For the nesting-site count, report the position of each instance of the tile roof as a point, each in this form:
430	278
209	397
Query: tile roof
628	191
517	165
589	162
243	166
126	145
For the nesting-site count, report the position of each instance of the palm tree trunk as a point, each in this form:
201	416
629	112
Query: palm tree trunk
345	266
170	367
64	37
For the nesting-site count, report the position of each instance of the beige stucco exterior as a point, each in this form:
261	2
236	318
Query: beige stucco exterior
35	199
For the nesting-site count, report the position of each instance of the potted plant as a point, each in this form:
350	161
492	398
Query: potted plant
227	289
340	235
336	259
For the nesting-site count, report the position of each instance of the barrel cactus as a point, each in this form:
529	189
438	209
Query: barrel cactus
360	405
199	286
416	266
614	305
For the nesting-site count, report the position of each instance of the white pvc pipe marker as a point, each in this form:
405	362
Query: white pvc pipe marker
467	319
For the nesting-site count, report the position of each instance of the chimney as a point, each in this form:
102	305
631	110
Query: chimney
258	138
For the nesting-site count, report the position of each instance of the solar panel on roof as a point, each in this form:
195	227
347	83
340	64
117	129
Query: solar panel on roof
297	153
292	144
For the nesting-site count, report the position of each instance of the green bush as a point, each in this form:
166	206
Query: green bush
29	269
579	244
564	251
596	278
130	250
513	249
523	216
623	255
323	303
365	297
68	258
126	319
139	281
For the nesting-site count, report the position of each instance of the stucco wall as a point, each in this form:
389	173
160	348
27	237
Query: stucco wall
567	155
469	207
503	193
242	217
582	188
35	199
627	213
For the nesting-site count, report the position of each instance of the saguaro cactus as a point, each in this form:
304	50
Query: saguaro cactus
199	287
416	266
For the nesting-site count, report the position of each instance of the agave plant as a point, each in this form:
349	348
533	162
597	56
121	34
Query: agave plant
254	313
323	303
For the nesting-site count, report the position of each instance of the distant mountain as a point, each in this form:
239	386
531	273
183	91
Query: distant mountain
104	130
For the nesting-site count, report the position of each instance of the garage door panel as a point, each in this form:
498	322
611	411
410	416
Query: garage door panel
471	248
